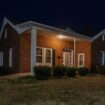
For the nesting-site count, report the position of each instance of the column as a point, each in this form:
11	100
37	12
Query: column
74	52
33	48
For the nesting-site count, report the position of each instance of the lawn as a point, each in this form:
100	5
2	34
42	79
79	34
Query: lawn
65	91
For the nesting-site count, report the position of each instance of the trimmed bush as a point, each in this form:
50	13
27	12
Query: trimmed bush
4	71
71	72
42	72
83	71
59	71
101	70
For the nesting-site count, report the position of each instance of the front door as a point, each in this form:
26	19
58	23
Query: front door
68	57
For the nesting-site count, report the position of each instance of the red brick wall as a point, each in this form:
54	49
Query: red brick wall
55	43
84	47
43	40
12	41
25	52
97	46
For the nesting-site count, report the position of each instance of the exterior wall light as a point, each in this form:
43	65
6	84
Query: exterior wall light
61	36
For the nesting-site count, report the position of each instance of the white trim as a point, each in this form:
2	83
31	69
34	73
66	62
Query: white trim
103	57
5	21
49	64
74	52
44	57
72	58
20	31
98	35
79	54
20	28
29	24
70	51
33	48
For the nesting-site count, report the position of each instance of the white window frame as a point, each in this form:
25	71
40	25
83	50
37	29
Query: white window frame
10	57
103	59
64	60
49	64
39	63
5	33
44	57
79	54
1	58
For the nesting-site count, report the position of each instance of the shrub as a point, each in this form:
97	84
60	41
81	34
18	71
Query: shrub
83	71
71	72
42	72
59	71
100	70
4	71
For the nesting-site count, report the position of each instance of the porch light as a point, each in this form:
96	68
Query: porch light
60	36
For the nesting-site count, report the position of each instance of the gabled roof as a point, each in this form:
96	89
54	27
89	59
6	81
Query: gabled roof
5	21
99	34
20	28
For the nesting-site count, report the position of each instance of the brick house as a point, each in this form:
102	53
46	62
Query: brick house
22	46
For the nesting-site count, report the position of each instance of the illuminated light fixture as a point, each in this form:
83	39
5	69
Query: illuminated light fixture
61	36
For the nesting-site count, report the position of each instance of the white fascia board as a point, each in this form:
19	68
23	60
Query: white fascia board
5	21
53	29
98	35
20	31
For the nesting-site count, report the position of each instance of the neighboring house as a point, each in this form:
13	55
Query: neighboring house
22	46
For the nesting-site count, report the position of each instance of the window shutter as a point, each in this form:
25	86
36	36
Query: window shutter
53	57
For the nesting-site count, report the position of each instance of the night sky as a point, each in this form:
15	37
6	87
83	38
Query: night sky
82	16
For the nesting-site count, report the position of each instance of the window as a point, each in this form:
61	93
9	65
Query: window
10	57
1	58
39	55
81	60
44	56
5	33
48	56
102	57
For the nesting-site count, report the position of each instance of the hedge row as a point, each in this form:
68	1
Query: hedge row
100	70
4	71
44	72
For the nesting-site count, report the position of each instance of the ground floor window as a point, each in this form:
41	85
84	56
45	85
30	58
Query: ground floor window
44	56
102	57
39	55
1	58
81	60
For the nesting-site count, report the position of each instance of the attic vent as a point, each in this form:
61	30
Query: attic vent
68	29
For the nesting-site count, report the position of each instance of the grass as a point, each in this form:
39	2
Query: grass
65	91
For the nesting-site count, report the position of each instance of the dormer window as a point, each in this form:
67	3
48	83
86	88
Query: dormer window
103	37
5	33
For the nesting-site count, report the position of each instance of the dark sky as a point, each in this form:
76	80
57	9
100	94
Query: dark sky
79	15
